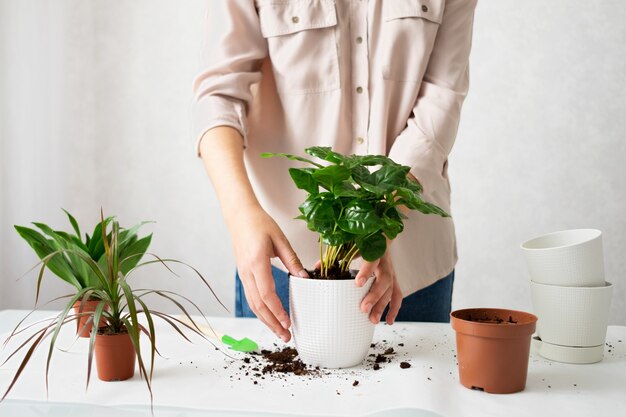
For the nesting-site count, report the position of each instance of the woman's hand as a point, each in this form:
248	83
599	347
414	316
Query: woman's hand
256	239
384	290
256	236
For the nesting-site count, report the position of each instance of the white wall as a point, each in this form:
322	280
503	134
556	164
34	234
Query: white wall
94	111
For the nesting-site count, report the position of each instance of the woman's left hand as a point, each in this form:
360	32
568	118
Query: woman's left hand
384	290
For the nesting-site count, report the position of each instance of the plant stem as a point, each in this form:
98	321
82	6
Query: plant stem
345	266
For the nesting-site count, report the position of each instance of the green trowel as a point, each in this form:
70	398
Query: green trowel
244	345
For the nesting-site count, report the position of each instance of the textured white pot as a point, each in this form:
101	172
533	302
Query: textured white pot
572	316
568	258
328	326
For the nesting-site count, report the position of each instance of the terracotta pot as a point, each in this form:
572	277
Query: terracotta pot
88	307
493	357
115	357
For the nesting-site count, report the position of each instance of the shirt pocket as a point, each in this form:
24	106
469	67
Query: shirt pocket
302	44
409	32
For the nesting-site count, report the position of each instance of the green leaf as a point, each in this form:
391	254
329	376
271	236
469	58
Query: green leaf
360	218
331	175
372	247
319	213
43	247
346	189
377	191
64	241
73	222
303	178
390	177
326	153
291	157
337	237
133	254
392	224
413	186
96	246
128	234
354	161
413	201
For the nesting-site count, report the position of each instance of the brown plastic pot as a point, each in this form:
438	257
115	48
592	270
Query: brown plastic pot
115	357
493	357
88	308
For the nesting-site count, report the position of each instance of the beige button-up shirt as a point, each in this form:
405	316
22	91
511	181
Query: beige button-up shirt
366	77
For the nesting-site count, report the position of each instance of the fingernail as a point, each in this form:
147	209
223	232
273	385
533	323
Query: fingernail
285	324
367	308
303	274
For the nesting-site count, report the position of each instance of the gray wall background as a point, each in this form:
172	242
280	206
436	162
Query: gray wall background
95	100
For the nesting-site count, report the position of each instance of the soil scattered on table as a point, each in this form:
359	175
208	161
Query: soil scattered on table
282	363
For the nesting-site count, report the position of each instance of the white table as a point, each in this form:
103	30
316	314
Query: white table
195	380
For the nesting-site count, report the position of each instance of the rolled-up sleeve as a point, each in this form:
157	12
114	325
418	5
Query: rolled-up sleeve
231	65
427	140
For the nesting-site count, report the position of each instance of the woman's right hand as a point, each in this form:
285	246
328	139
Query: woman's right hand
256	240
256	236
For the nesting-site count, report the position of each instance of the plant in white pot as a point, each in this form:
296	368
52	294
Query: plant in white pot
353	203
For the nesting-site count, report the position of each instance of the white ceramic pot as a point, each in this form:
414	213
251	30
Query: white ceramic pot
327	324
567	354
572	316
568	258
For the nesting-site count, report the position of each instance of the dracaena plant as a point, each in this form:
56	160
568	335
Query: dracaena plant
69	249
353	202
120	305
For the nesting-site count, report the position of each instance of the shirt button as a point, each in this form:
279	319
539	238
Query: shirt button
359	89
359	39
424	8
360	140
295	19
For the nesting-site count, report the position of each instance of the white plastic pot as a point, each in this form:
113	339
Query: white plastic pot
328	326
568	258
571	317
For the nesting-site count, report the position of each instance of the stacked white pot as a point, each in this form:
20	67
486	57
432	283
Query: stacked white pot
570	295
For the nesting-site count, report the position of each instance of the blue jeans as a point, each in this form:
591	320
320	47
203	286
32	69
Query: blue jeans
432	303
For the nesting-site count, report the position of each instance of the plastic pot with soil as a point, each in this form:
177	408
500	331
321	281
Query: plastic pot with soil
115	356
329	328
493	347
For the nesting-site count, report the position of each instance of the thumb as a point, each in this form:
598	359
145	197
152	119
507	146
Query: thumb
288	257
366	271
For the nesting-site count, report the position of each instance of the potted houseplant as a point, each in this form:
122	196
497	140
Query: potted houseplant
353	202
67	264
493	347
117	344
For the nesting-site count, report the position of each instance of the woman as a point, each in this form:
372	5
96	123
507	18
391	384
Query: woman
364	77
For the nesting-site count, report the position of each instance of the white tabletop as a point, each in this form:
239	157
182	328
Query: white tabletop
195	379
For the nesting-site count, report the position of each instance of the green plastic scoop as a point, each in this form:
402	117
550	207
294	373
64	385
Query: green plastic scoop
244	345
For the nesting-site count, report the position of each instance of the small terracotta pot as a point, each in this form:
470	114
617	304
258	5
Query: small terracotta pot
115	357
88	307
493	357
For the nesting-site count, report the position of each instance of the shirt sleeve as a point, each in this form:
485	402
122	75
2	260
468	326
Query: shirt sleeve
427	140
231	65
